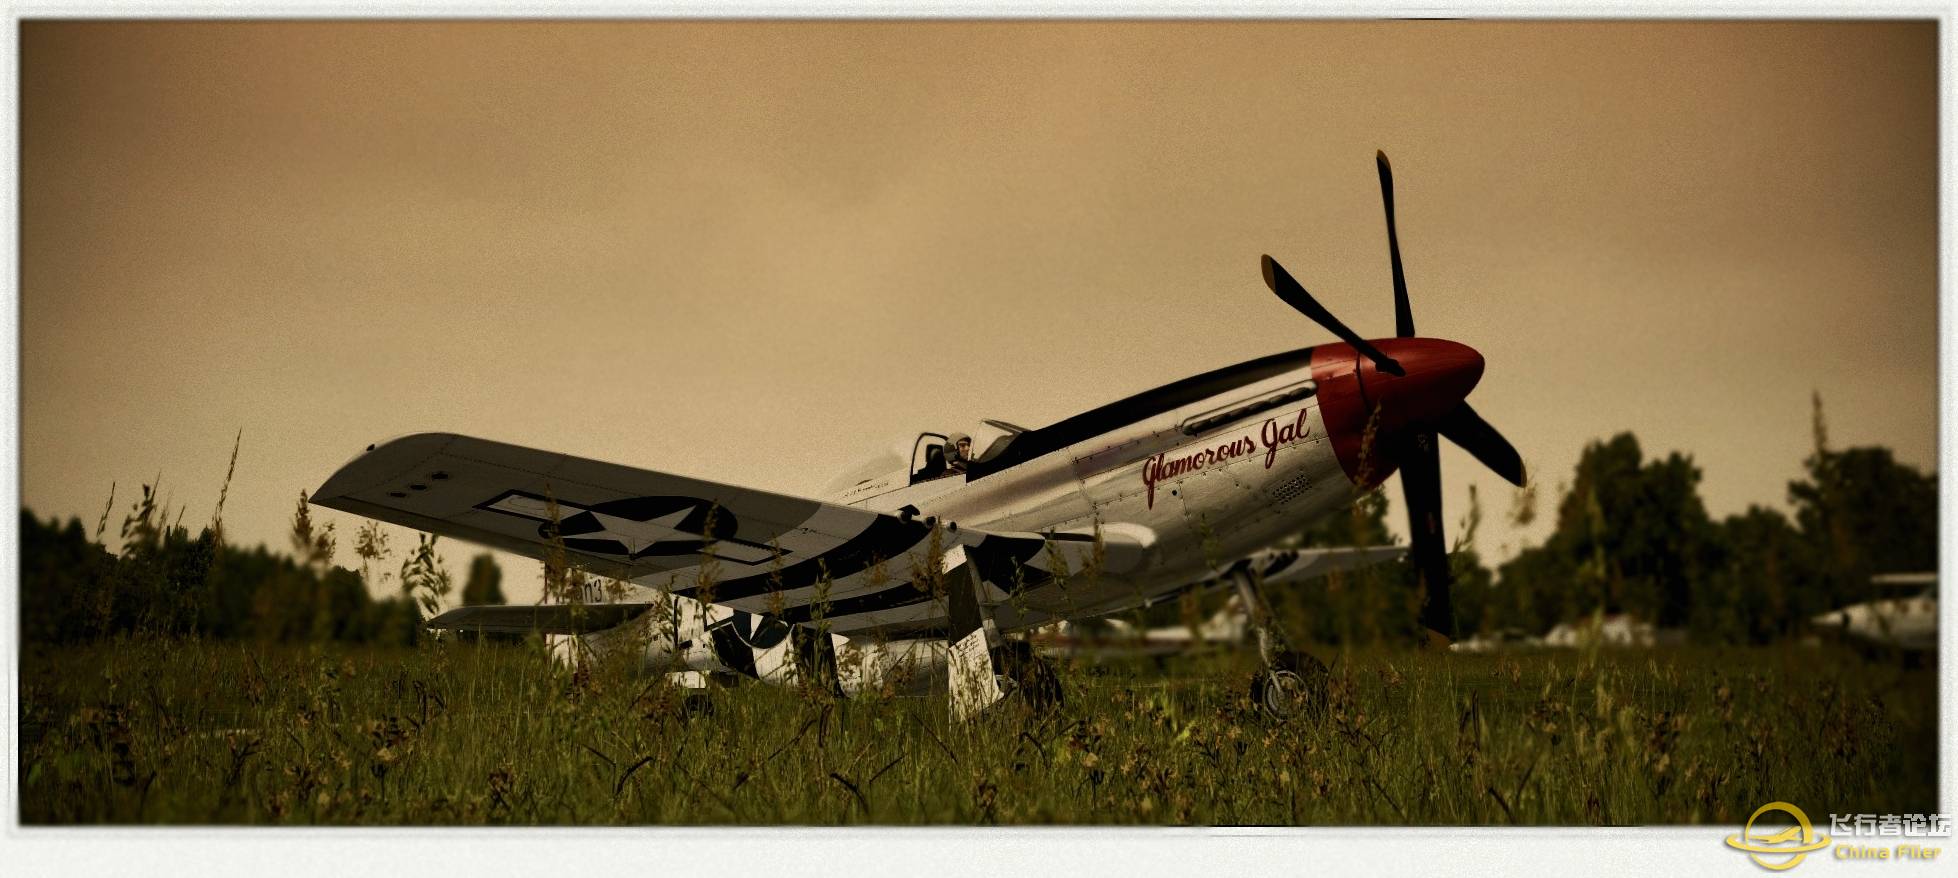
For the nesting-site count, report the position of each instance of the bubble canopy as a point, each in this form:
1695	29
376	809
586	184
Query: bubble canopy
989	435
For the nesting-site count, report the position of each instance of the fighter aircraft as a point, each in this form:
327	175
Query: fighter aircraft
1905	621
916	574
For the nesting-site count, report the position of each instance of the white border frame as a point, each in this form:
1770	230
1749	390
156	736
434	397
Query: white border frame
1464	851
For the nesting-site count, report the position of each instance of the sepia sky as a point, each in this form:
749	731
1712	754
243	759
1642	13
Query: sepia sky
759	252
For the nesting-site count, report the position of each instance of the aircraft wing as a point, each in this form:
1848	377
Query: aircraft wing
793	558
1285	566
1273	566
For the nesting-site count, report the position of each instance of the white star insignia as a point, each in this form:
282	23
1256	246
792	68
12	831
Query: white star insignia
638	536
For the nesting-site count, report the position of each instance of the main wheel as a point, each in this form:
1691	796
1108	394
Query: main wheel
1030	676
1292	686
696	704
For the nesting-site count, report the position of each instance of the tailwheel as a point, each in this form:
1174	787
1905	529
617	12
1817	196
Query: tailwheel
1027	674
1293	685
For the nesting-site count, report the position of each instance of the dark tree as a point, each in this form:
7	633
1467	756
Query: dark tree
1632	536
169	582
1869	513
1861	513
485	585
1762	585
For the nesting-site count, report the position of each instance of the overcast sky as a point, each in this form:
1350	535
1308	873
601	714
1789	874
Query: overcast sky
757	253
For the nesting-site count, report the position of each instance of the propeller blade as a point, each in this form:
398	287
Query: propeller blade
1295	295
1403	312
1466	428
1420	468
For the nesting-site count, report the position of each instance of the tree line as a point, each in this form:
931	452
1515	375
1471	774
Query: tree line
165	580
1633	536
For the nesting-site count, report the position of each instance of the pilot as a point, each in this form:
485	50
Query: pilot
958	453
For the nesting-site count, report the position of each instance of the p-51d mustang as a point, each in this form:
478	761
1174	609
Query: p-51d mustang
915	574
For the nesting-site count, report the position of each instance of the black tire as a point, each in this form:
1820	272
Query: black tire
696	704
1030	676
1291	687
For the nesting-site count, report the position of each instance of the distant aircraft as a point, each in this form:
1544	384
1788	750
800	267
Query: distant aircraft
1908	624
914	569
1502	639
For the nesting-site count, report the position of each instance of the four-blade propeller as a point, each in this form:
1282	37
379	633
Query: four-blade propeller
1415	450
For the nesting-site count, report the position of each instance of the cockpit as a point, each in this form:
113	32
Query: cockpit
940	455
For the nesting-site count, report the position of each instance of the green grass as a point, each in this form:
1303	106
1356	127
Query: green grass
157	731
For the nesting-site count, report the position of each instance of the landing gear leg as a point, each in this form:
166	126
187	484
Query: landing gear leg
1271	641
1290	683
972	658
985	667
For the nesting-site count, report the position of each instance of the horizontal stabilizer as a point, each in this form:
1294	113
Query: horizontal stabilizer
544	619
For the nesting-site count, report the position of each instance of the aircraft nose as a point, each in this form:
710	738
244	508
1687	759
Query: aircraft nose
1440	374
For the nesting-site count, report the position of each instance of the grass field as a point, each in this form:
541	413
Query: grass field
175	732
